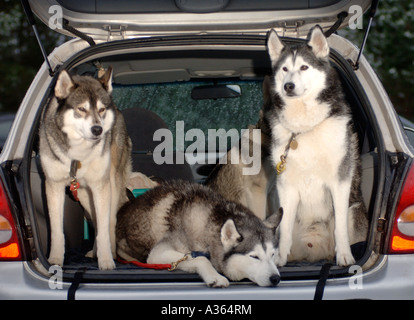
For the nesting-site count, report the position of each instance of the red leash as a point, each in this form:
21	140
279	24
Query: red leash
74	184
145	265
169	267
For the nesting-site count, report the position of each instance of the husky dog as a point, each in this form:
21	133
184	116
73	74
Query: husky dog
84	143
315	152
165	224
257	192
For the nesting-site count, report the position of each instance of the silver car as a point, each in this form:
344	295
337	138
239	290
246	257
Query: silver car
162	52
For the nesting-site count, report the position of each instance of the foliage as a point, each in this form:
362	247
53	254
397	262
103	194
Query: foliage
390	50
20	56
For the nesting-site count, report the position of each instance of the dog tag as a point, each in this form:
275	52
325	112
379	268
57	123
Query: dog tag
293	144
280	167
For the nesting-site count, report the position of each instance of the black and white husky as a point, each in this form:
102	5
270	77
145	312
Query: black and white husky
167	223
84	144
315	152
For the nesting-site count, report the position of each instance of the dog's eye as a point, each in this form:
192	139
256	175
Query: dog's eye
303	68
101	110
254	257
285	69
82	109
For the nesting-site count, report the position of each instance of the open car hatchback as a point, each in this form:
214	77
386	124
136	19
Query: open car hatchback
183	65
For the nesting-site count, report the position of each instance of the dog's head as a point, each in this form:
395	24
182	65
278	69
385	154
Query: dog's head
299	70
86	103
251	249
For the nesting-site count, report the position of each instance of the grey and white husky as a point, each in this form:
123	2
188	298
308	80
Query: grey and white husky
257	192
315	151
84	143
167	223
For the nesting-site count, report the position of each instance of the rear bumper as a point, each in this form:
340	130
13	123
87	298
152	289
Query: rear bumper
392	278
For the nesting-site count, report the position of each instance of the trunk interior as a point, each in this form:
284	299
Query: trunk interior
153	80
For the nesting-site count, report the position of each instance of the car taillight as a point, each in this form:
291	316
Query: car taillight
9	240
402	236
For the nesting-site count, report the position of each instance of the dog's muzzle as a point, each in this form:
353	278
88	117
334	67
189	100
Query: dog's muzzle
274	279
96	130
289	88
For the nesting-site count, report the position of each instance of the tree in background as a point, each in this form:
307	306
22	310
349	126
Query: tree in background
390	50
20	56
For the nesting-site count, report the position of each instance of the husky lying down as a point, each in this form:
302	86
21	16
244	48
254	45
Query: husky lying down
167	223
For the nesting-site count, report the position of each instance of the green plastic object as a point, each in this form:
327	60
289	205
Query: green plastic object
138	192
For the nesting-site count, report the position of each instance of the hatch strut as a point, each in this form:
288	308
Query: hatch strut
65	25
32	22
371	15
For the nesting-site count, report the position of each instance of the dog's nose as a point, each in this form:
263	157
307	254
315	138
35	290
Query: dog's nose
96	130
289	87
274	279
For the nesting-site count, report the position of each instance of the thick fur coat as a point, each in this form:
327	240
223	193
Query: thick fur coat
176	218
319	183
81	123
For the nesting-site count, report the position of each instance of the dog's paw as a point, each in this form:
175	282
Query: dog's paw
280	262
90	254
217	281
55	260
280	258
344	259
106	264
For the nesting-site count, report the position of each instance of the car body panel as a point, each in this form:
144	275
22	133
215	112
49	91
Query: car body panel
108	25
389	279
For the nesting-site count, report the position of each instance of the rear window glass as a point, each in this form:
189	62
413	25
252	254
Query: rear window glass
174	104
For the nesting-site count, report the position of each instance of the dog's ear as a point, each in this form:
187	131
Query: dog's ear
317	41
273	221
230	237
64	85
106	80
274	46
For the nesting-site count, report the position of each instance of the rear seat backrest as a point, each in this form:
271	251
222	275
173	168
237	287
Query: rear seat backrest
141	125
